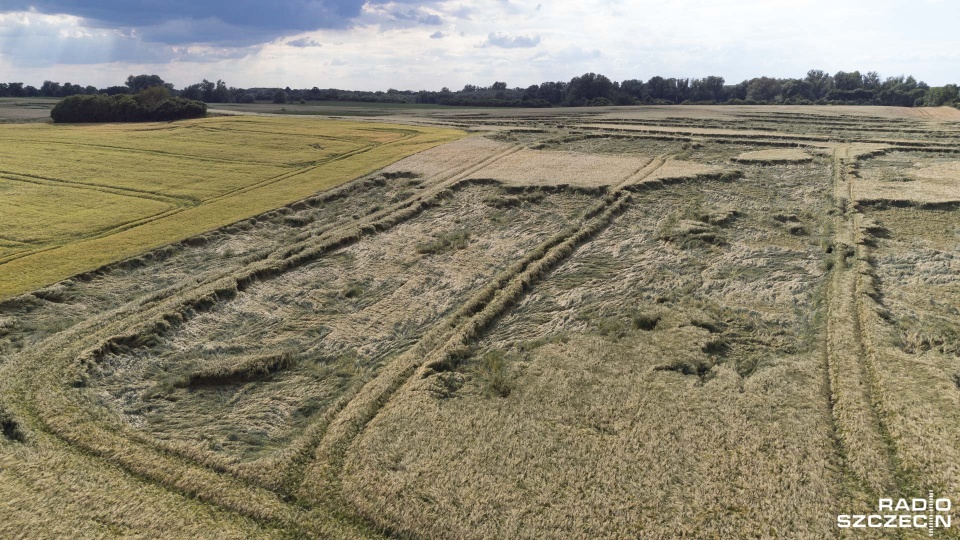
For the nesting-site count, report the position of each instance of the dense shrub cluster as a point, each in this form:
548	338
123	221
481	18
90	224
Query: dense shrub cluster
146	106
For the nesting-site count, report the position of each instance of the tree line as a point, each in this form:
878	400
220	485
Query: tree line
589	89
817	87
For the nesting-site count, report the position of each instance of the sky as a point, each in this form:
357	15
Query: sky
426	45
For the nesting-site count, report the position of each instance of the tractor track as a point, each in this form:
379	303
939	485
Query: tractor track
868	458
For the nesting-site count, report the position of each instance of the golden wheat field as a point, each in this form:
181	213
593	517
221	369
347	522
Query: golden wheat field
73	198
633	322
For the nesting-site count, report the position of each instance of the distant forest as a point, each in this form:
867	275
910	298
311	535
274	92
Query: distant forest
590	89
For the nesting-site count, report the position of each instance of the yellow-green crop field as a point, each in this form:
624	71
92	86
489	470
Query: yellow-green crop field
698	322
73	198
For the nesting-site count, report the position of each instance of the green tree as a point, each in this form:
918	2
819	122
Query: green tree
941	95
764	89
136	83
49	89
634	88
820	82
587	87
220	93
844	81
707	89
151	104
798	89
206	91
552	92
192	92
153	96
871	80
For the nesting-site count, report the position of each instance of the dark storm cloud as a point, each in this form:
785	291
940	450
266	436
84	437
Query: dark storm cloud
230	23
43	43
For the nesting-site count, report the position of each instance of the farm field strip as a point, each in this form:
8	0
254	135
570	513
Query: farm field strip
134	150
96	440
758	125
235	197
815	127
105	188
862	409
785	141
910	372
889	395
748	134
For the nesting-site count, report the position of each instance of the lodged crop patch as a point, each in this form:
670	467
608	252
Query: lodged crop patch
572	324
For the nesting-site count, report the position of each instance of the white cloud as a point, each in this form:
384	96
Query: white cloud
526	43
506	41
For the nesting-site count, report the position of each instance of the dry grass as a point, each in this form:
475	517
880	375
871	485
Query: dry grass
232	370
678	170
912	329
352	313
49	491
546	168
775	157
576	450
922	184
580	416
445	157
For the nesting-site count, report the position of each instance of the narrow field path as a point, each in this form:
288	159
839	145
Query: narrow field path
866	454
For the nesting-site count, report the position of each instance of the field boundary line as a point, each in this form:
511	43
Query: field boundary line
774	139
113	190
60	242
190	157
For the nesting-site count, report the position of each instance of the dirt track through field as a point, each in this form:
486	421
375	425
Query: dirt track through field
865	450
